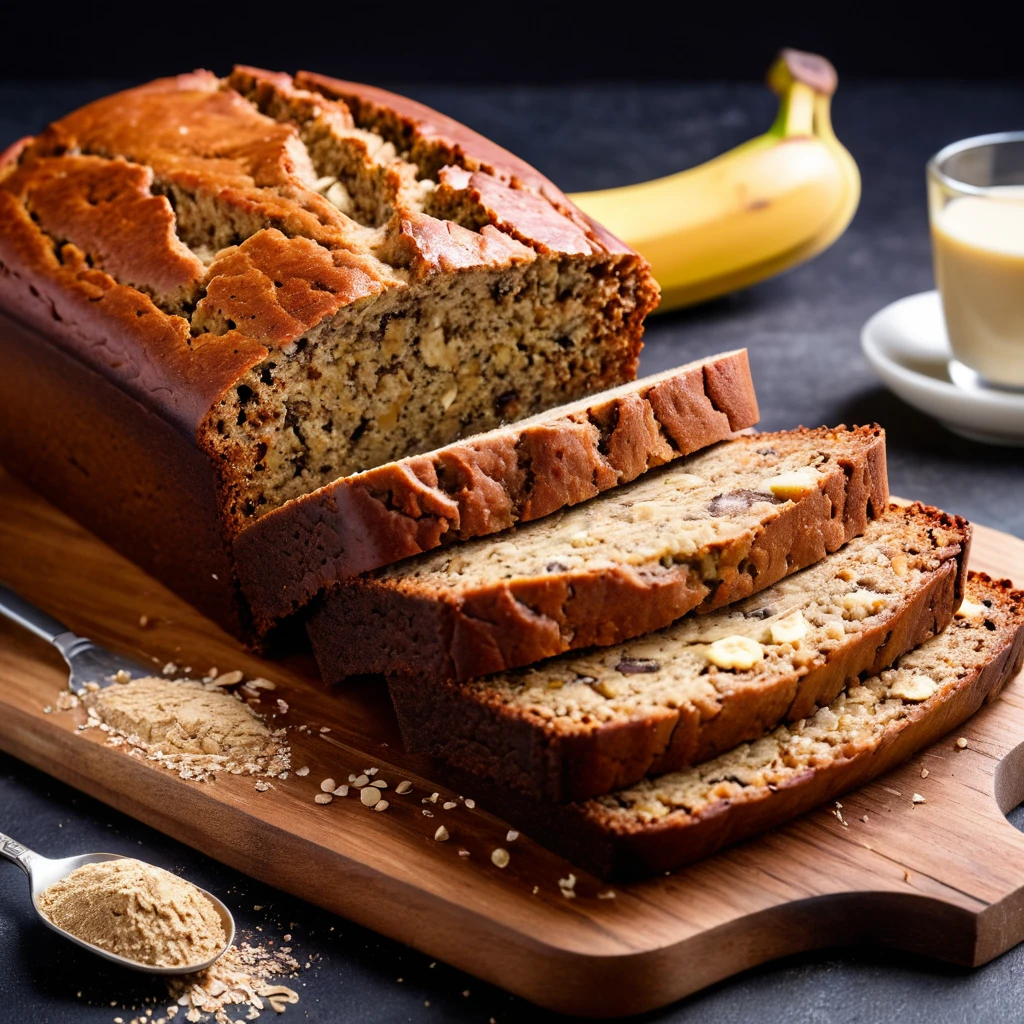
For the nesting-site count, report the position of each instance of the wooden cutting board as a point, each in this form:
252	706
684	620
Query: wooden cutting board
944	878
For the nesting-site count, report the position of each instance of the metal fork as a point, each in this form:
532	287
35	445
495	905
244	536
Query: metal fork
87	661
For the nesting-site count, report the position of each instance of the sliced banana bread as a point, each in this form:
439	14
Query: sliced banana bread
873	725
489	482
701	532
274	283
585	724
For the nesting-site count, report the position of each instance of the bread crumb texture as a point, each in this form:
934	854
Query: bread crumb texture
781	634
690	512
853	725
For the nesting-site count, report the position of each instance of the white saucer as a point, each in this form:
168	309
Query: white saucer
907	346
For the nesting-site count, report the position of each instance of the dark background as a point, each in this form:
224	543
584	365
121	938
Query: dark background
594	101
513	41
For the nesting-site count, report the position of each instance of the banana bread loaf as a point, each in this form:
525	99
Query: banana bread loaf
585	724
873	725
488	482
261	284
701	532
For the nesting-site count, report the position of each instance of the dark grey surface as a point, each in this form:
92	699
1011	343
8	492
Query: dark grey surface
802	330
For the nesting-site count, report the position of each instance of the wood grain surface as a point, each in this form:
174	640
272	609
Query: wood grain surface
944	878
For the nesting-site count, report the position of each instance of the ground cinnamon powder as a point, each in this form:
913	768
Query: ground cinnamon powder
137	911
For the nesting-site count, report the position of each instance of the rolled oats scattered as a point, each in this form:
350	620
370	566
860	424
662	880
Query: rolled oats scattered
282	706
302	772
609	895
121	676
369	795
328	785
427	814
961	743
441	834
372	771
470	803
170	669
379	783
512	836
449	805
381	805
463	853
403	787
917	799
924	773
500	857
341	790
230	678
262	786
359	780
323	798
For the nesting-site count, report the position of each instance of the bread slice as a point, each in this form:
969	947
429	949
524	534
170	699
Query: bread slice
873	725
488	482
585	724
701	532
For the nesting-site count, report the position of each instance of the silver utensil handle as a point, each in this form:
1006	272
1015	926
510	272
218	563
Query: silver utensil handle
14	607
11	849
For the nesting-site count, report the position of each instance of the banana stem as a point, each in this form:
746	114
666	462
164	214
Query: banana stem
796	112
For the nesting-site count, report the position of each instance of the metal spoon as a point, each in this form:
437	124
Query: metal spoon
87	662
43	872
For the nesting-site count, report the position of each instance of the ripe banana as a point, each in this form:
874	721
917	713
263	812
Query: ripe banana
761	208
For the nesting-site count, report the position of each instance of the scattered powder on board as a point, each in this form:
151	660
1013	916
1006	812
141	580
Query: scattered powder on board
245	976
194	728
137	911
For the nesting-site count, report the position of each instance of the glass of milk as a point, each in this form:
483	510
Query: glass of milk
976	208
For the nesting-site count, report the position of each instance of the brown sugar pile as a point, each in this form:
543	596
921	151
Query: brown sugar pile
137	911
194	728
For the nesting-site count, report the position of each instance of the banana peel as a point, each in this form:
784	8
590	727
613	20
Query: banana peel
765	206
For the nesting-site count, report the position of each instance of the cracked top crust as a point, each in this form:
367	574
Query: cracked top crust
173	234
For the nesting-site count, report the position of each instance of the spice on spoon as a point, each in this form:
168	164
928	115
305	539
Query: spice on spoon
137	911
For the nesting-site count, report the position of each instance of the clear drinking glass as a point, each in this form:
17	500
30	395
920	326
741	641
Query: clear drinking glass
976	211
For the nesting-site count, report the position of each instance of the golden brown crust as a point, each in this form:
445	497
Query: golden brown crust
85	275
374	624
488	483
479	732
586	833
